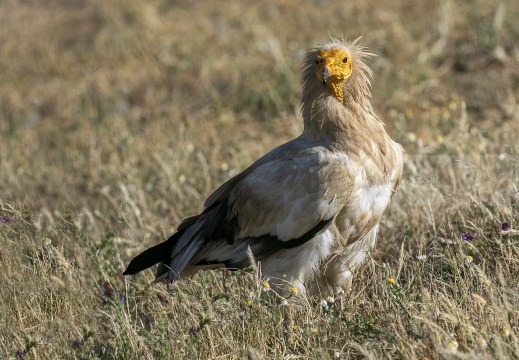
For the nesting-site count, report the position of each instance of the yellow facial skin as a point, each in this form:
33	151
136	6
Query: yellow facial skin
333	68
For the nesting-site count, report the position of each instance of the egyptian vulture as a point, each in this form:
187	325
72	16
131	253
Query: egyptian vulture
309	210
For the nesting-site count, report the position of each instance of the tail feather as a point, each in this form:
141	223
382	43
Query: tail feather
178	251
193	239
152	256
180	260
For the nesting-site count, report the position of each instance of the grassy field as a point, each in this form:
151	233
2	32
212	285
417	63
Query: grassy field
118	118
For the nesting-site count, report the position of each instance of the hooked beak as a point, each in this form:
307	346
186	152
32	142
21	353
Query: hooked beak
325	74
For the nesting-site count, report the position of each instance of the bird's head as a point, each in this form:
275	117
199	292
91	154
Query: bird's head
333	67
340	67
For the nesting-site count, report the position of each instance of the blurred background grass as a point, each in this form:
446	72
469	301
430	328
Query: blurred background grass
118	118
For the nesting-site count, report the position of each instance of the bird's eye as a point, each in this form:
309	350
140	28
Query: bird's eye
316	62
345	60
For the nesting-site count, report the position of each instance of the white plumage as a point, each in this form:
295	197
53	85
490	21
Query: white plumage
309	209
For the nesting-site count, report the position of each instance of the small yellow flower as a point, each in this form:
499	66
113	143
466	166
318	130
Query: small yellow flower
323	303
361	302
294	290
506	332
285	276
314	330
249	302
411	136
283	301
266	286
453	346
391	280
224	166
330	300
47	241
468	259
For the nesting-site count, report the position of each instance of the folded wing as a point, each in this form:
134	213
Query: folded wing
282	201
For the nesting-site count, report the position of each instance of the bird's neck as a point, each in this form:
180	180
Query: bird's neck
354	130
328	120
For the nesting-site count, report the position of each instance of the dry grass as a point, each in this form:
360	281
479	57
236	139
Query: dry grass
118	119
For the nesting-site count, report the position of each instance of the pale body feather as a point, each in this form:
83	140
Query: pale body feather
286	198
